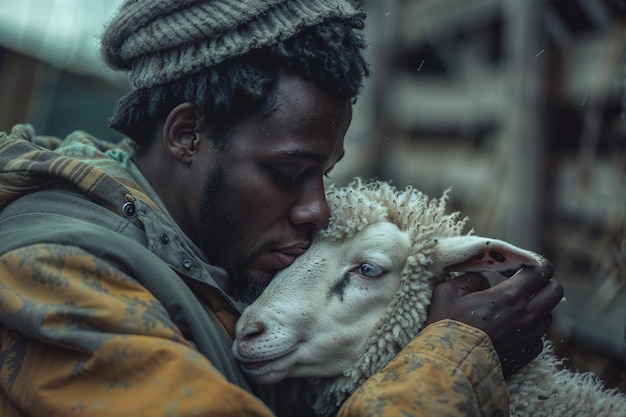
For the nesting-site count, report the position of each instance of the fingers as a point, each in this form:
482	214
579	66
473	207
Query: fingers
532	290
529	279
548	297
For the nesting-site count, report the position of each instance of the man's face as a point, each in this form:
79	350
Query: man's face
264	195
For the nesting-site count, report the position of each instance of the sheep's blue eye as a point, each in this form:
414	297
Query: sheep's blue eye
371	270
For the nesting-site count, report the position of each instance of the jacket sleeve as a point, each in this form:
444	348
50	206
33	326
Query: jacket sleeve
451	369
79	337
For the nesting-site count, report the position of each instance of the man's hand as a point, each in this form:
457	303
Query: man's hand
515	314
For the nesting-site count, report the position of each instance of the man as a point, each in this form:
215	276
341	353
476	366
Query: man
122	272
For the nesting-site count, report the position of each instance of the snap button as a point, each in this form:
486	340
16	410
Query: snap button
187	264
165	239
129	209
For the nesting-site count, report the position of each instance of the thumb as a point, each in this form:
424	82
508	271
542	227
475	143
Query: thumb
449	298
469	283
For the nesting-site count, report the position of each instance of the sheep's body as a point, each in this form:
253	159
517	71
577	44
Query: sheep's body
547	388
371	274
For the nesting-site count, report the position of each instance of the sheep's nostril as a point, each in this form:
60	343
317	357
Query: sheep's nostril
253	331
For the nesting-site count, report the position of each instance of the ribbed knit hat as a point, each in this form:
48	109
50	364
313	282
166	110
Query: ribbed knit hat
160	40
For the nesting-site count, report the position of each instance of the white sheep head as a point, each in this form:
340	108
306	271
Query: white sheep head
361	292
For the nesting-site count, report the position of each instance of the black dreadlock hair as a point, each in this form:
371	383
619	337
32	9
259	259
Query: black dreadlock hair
329	54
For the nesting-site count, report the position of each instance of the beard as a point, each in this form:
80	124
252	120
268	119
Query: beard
250	291
216	221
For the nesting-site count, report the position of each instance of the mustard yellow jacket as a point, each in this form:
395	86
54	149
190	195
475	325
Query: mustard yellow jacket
107	309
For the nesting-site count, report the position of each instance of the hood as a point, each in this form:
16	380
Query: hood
29	162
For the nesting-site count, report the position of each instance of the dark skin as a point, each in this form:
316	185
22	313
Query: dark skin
253	206
265	190
515	313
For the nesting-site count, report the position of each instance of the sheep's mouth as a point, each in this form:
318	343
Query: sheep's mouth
267	369
255	366
264	372
257	363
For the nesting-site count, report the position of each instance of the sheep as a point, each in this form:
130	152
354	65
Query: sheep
361	292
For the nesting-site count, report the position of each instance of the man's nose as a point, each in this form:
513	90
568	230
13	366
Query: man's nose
312	208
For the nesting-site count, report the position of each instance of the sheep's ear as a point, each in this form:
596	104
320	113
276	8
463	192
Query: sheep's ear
480	254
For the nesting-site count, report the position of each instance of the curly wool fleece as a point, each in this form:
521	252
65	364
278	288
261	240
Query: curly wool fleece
159	41
353	208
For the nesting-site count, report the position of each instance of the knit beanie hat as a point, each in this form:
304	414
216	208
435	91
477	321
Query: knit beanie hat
157	41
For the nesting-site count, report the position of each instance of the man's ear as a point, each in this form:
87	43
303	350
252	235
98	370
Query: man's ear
181	132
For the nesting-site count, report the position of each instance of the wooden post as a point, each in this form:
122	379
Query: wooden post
523	133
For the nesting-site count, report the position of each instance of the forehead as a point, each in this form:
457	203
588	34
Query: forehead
301	102
301	92
302	116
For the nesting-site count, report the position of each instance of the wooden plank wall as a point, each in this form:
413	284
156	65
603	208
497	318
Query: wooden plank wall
519	107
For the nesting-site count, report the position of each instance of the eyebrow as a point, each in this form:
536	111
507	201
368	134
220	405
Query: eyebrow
301	153
329	117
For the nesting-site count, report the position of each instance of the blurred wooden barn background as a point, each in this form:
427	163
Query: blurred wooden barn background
518	105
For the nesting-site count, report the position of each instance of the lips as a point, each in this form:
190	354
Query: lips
286	255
